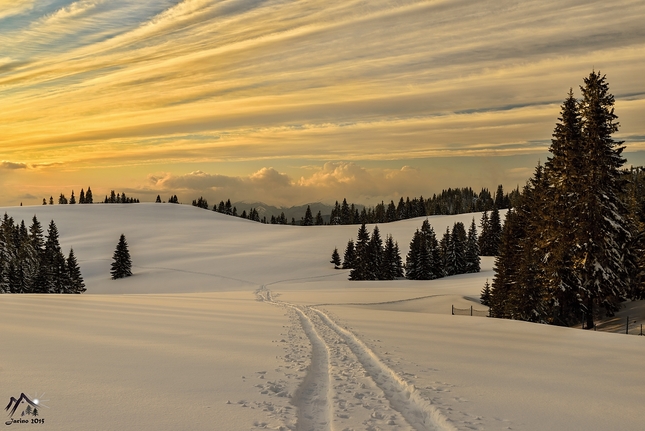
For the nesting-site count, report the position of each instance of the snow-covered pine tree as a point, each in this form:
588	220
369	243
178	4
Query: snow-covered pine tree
484	297
335	258
472	250
361	255
122	264
495	231
77	284
375	255
459	239
412	264
349	256
447	253
484	238
604	257
56	275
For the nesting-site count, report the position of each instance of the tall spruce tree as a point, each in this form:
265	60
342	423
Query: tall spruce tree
361	255
472	250
604	259
335	258
349	257
122	264
77	284
309	218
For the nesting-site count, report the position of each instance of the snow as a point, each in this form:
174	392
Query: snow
229	324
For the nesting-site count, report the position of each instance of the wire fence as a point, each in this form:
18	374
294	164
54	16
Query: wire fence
469	312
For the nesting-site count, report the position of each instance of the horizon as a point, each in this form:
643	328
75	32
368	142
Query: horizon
300	102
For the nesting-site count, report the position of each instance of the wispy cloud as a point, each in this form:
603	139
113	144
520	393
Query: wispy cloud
90	82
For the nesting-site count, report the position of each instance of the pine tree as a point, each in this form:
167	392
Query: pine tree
335	258
309	218
458	243
361	255
158	201
77	285
374	255
349	258
122	264
495	231
88	196
485	294
472	250
72	199
319	219
81	197
56	274
484	239
604	257
51	200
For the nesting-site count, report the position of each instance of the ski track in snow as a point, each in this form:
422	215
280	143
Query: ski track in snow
346	383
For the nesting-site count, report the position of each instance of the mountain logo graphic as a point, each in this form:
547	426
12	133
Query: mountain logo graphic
32	405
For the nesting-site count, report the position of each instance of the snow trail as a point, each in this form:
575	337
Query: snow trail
313	398
404	398
347	382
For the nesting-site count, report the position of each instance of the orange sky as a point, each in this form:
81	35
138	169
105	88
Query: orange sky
290	102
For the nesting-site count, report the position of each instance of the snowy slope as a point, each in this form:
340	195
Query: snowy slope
217	332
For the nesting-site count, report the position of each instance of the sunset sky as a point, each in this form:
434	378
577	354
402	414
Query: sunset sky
289	102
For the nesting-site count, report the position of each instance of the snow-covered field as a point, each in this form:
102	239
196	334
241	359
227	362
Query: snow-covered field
233	325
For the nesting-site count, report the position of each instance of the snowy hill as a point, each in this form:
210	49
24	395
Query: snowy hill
216	332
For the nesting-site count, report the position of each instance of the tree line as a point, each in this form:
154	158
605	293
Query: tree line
448	202
428	259
87	198
33	263
573	245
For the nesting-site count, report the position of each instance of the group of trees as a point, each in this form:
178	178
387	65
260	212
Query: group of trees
573	245
491	235
428	259
369	258
84	198
456	253
448	202
33	263
119	198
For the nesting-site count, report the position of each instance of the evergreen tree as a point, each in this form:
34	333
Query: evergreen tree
309	218
335	258
72	199
604	258
361	255
158	201
375	256
77	285
122	264
484	239
458	244
495	233
51	200
56	274
81	197
485	294
472	250
319	219
349	258
88	196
